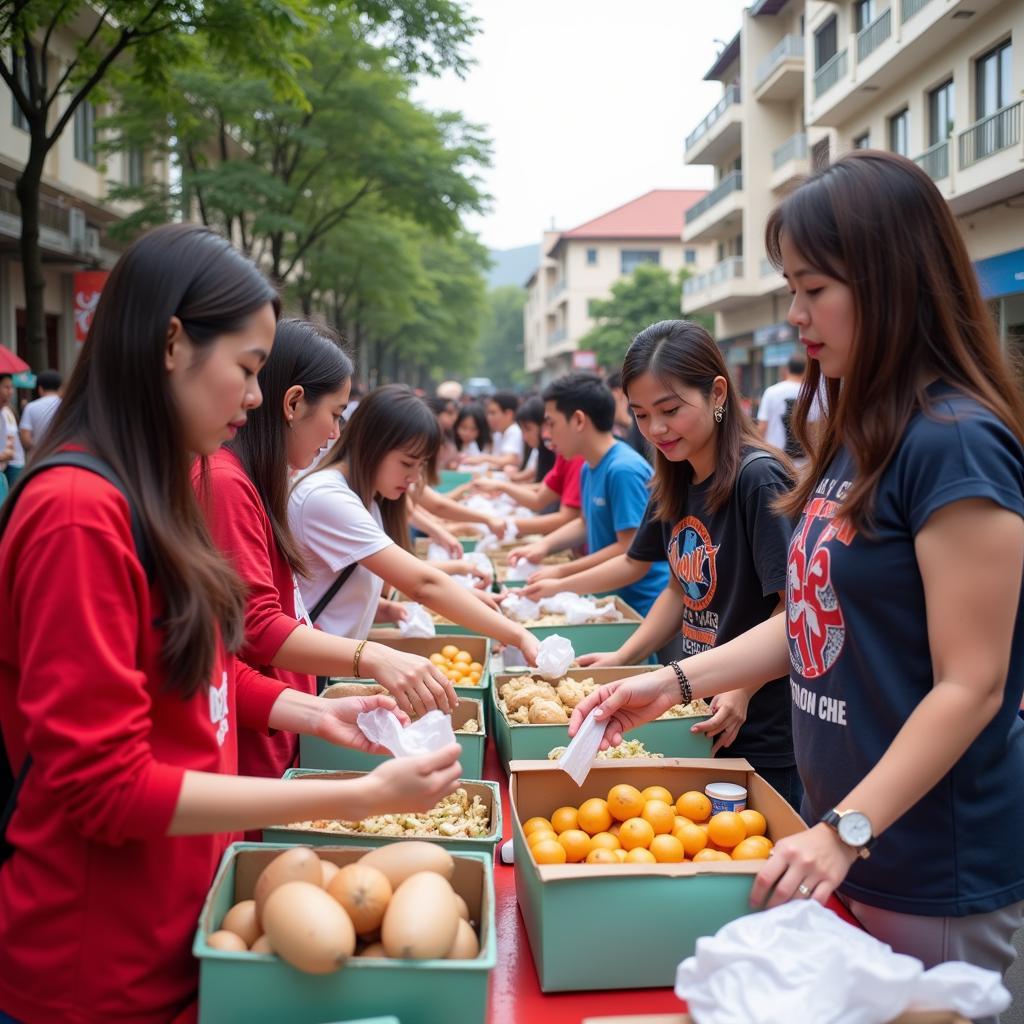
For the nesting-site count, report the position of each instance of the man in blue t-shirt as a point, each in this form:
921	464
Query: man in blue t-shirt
579	413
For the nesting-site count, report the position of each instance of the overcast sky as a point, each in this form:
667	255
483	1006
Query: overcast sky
587	103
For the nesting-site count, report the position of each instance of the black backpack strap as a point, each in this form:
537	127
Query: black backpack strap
94	464
332	591
751	457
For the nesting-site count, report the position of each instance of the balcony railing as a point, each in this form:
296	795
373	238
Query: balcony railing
991	134
557	289
790	46
871	37
794	148
935	160
767	268
730	183
829	73
732	95
52	214
724	271
557	335
908	8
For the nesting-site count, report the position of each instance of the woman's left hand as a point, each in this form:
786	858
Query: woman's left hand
808	865
336	722
728	713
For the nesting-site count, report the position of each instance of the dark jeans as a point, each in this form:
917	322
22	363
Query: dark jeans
786	782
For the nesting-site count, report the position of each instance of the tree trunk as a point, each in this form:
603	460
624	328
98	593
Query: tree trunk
26	188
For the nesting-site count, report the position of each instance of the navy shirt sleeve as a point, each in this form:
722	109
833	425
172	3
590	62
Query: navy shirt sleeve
768	532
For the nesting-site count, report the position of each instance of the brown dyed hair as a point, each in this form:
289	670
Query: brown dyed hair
876	222
681	353
119	405
390	417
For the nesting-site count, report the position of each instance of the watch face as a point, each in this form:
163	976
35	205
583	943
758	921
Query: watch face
854	829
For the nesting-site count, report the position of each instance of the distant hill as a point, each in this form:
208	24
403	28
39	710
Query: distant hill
512	266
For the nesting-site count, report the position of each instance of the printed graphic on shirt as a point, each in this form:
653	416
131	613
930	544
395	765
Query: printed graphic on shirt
693	559
219	708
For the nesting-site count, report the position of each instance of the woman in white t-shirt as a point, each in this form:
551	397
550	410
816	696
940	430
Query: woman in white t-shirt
353	508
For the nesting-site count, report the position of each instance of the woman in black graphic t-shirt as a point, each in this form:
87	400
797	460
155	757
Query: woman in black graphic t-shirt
904	629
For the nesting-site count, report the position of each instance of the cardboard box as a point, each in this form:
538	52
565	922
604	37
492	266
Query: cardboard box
487	791
628	925
516	742
247	988
317	753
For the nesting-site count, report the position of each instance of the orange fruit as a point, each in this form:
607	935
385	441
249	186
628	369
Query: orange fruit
695	806
576	844
620	855
706	855
702	825
594	816
753	822
437	659
660	815
550	851
658	793
605	841
639	855
625	802
475	666
749	849
614	829
762	841
536	822
449	651
600	856
680	820
692	837
474	678
636	832
726	829
564	819
464	657
667	850
539	835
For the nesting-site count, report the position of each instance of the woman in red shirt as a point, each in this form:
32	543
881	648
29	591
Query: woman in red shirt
122	689
243	487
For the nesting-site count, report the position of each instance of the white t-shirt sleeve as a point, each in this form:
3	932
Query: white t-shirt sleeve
767	408
512	442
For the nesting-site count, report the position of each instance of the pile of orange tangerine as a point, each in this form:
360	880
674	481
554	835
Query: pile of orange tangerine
458	666
646	827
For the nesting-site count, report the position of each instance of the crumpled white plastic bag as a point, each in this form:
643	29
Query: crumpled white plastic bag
800	961
427	734
480	561
520	608
489	541
436	553
555	656
578	609
578	757
521	571
465	579
417	621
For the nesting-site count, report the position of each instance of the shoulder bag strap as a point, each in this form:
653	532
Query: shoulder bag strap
332	591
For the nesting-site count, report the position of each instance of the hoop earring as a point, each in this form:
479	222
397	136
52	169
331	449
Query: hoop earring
719	413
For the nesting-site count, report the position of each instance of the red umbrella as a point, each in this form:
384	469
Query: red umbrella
11	363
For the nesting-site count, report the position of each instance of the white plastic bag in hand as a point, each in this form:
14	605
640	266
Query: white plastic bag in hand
480	561
429	733
464	579
417	621
436	553
559	603
521	571
555	656
579	756
520	608
800	961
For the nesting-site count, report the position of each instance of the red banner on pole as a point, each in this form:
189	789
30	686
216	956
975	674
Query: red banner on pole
88	285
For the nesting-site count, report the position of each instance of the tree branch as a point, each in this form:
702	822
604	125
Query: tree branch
50	28
18	7
69	70
326	222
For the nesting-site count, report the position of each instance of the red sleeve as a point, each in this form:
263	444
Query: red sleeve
255	695
555	479
571	496
240	528
93	752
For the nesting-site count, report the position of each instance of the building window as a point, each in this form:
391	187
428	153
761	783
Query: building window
863	14
899	132
632	258
20	70
689	256
862	141
85	133
737	246
826	43
591	257
940	113
720	252
993	74
135	167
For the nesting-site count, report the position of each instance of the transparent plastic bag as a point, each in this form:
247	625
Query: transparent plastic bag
555	656
521	571
429	733
520	608
417	622
579	756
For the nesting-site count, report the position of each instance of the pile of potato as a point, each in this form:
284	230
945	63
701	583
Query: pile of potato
396	901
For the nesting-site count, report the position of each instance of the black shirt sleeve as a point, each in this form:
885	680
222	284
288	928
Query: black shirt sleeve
649	543
768	532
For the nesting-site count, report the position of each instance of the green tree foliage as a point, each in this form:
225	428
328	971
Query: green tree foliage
500	350
648	295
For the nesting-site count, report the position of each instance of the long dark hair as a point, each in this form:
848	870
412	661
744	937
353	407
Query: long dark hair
304	354
532	411
682	353
876	222
479	417
120	406
390	417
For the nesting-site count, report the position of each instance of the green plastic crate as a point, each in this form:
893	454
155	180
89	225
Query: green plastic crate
489	792
247	988
449	479
516	742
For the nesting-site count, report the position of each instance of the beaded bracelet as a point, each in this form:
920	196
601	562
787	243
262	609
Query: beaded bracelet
684	684
356	657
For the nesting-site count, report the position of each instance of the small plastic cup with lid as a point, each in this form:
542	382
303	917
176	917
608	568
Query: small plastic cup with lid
726	796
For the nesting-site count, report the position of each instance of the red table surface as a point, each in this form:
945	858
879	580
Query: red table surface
516	997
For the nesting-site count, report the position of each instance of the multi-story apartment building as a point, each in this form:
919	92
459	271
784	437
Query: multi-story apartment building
937	80
75	210
580	266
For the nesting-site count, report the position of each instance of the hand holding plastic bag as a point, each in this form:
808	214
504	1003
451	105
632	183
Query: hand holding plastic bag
519	608
521	571
437	553
417	621
555	656
431	732
579	756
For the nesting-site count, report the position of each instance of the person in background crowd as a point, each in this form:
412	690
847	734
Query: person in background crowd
12	459
904	631
132	796
506	435
354	398
626	428
775	413
530	417
450	389
37	415
472	434
446	410
579	411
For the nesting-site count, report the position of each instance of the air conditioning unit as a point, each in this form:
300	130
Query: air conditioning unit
77	227
91	248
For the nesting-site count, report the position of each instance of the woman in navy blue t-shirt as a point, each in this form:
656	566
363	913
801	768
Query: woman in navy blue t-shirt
903	635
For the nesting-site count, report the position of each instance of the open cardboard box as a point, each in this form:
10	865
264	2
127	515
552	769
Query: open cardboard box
250	988
488	792
574	912
523	742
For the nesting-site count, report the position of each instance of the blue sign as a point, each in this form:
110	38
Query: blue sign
26	381
1001	275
